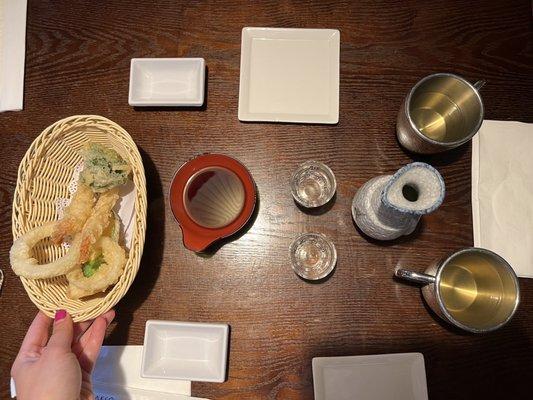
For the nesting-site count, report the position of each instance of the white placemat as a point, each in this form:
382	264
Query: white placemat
502	192
12	53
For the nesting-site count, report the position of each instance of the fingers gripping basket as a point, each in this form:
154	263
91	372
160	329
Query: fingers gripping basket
43	177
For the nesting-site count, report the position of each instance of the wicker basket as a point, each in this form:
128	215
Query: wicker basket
43	177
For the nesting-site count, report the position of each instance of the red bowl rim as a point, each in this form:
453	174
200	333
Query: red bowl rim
195	236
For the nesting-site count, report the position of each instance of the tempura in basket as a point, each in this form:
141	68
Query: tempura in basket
95	260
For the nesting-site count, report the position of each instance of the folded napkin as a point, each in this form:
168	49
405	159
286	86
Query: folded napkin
502	192
12	52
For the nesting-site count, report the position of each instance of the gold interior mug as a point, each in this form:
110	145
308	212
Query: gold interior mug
442	111
474	289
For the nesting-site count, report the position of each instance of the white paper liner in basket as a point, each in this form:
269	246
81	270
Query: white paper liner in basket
43	181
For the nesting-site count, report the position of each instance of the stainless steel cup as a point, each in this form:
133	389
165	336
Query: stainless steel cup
473	289
442	111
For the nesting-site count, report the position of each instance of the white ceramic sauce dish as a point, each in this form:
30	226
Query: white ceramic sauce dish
185	350
167	82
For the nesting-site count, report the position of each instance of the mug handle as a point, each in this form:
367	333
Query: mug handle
479	84
416	277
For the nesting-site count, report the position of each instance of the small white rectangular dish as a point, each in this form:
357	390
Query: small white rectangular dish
167	82
289	75
185	350
399	376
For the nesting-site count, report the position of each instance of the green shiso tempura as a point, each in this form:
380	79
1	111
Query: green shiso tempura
104	168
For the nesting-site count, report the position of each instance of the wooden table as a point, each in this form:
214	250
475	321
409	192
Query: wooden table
77	62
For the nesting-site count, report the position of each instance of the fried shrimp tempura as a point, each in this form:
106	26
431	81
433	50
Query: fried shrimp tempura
107	274
97	222
76	214
24	264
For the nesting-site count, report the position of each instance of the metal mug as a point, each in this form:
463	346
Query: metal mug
442	111
473	289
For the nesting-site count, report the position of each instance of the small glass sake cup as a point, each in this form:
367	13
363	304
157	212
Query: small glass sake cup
313	256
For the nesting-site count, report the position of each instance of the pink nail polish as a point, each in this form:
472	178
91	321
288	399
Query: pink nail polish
60	314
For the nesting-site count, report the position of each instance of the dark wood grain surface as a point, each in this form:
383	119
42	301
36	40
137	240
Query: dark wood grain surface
77	62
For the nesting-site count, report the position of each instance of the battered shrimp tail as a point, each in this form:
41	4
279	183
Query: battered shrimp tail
76	214
97	222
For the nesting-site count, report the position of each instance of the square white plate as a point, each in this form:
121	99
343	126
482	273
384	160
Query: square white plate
185	350
375	377
289	75
167	82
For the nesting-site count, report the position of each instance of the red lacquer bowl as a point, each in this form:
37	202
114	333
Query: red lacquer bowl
212	197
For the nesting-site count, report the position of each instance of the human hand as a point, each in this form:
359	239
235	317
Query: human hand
59	368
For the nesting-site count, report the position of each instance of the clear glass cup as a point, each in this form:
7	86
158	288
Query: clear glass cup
313	184
313	256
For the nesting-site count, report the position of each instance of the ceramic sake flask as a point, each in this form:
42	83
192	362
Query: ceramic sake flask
389	206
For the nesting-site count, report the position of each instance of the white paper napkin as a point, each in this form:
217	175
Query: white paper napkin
121	366
12	53
502	192
103	392
118	371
